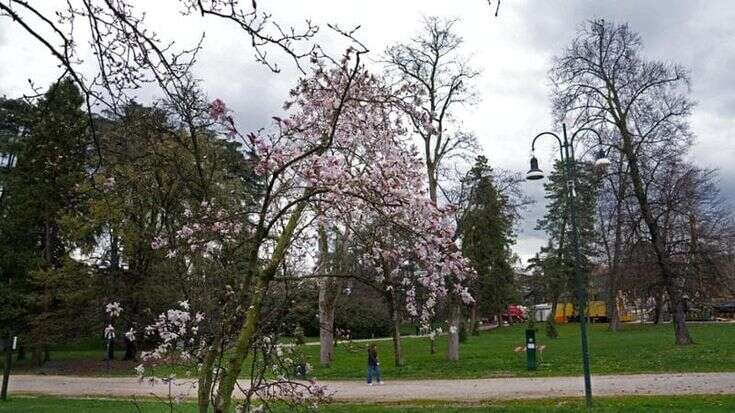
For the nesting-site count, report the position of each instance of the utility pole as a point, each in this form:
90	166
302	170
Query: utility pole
566	152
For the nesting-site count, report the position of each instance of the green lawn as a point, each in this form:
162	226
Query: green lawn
641	404
635	349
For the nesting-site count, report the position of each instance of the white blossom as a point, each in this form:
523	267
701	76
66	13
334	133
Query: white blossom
130	334
113	309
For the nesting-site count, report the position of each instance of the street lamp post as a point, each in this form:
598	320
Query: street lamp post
566	152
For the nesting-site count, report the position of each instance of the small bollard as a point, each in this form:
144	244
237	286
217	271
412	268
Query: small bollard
531	349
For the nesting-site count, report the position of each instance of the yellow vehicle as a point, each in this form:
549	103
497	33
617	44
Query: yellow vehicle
596	310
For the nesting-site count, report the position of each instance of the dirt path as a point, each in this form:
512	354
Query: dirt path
404	390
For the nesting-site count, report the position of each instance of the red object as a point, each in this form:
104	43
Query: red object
514	312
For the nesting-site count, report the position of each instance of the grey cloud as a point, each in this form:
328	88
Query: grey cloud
514	51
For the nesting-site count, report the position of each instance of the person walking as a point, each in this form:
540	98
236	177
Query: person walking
373	365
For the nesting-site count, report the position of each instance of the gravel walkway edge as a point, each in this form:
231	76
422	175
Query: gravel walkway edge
407	390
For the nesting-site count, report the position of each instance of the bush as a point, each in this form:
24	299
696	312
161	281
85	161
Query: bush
298	335
364	315
303	312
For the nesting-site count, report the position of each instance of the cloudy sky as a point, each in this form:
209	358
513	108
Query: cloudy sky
513	51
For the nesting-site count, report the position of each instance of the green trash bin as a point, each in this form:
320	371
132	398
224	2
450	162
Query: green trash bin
531	349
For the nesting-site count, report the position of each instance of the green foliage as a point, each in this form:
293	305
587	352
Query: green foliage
106	199
359	314
356	313
66	295
298	335
49	142
552	269
487	235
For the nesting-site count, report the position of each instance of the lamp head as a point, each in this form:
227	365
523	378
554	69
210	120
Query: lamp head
534	173
601	161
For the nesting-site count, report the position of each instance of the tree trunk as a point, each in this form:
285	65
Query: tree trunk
130	349
554	305
245	339
110	349
395	314
613	316
455	319
680	329
36	356
327	304
474	328
678	315
397	353
658	312
431	172
206	375
329	291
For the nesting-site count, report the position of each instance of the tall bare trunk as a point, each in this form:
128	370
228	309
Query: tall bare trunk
327	304
474	328
329	291
678	315
613	315
393	307
658	312
455	319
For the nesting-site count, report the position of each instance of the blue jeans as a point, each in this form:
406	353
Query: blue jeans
374	371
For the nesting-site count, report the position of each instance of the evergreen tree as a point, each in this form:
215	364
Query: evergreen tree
50	143
557	258
487	229
18	246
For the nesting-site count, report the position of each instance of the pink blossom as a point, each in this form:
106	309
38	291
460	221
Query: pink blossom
217	109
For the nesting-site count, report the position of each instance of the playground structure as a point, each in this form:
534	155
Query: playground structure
596	311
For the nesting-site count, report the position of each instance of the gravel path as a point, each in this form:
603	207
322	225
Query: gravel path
405	390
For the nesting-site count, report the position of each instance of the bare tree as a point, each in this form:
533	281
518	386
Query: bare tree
128	54
432	79
602	81
431	74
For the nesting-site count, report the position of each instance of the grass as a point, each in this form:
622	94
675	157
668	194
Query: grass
635	349
641	404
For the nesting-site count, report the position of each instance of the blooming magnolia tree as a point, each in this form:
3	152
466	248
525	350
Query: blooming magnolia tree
340	158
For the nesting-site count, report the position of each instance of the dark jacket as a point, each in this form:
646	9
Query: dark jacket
372	357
